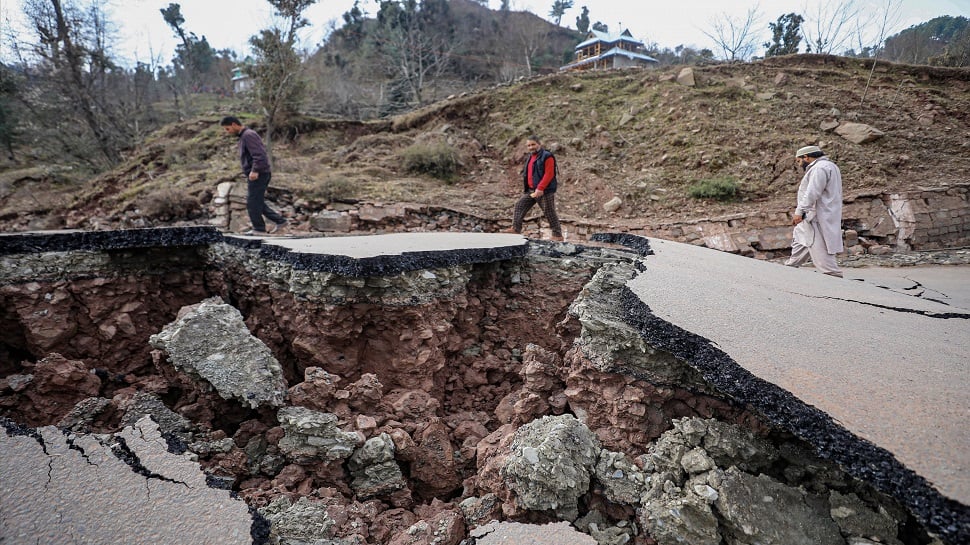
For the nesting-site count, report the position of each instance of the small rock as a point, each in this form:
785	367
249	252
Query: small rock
859	133
613	204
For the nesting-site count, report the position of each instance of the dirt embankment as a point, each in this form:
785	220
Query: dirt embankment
638	136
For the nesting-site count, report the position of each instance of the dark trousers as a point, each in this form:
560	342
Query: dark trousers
547	202
256	203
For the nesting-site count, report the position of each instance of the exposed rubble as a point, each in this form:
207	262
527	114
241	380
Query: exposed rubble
511	397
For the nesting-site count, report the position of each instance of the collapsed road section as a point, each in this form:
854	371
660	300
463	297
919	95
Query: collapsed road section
426	388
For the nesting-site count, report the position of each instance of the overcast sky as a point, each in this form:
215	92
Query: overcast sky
229	23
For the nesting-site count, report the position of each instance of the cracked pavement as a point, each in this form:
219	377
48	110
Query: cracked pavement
888	365
63	488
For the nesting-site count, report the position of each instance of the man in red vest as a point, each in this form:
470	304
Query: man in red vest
539	183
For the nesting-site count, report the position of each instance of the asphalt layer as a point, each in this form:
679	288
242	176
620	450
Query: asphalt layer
875	380
384	255
62	241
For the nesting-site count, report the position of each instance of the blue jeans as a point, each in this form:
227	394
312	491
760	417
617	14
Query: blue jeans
256	203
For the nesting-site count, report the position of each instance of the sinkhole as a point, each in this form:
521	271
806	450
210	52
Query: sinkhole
413	388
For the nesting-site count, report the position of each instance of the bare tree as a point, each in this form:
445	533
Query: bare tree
888	18
735	36
76	80
530	37
827	25
416	49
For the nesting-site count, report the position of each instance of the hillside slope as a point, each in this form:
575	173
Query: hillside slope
637	135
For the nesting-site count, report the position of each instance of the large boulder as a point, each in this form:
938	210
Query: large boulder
550	465
759	509
210	342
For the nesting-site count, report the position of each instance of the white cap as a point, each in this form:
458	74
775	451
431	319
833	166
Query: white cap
806	150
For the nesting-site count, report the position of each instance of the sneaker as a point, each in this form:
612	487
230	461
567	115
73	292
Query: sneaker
276	227
254	233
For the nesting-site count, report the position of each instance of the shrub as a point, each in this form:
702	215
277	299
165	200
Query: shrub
437	160
718	189
334	188
169	204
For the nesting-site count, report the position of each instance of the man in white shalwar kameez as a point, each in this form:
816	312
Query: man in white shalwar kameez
818	215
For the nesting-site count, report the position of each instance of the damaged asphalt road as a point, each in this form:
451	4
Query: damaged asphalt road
893	375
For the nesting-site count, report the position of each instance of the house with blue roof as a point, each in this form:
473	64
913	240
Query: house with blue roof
602	50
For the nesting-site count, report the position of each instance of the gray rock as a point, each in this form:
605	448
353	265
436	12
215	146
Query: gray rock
696	461
207	448
83	414
612	345
858	133
169	422
19	383
550	464
613	204
312	435
855	518
828	125
374	470
596	524
728	445
679	518
611	535
621	480
764	511
212	343
851	238
331	221
686	77
478	511
300	523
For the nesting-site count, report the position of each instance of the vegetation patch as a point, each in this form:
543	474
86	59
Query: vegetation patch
335	188
438	160
718	189
170	204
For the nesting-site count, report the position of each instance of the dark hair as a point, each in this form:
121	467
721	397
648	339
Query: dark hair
230	120
814	154
534	138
